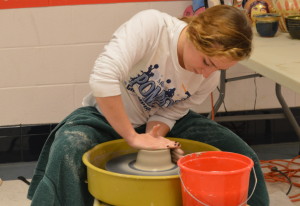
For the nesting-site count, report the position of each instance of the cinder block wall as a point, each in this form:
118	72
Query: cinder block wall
47	53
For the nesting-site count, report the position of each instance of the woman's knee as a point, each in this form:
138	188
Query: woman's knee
70	144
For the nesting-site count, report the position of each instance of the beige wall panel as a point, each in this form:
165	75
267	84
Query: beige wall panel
56	65
266	94
240	95
53	25
96	23
18	67
17	28
175	8
47	65
47	54
80	91
84	57
35	105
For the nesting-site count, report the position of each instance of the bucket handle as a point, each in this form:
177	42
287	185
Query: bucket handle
255	183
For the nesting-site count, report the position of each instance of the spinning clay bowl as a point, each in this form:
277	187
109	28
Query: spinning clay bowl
128	190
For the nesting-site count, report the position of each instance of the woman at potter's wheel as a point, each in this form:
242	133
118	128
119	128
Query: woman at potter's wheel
143	85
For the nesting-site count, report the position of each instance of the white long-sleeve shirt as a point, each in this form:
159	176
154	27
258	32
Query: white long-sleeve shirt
140	63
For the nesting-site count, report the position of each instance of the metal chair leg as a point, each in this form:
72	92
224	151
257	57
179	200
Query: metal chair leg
221	94
286	110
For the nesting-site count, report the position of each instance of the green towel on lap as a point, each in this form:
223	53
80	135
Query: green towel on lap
60	175
59	178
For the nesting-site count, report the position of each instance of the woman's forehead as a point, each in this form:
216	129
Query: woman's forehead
222	62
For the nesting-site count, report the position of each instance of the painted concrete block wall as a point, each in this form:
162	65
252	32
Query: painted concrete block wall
46	56
47	53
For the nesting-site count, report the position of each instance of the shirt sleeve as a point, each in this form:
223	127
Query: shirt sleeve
127	47
169	115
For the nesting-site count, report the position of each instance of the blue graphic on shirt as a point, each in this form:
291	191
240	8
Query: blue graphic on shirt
151	91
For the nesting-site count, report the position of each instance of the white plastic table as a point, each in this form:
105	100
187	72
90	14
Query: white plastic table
276	58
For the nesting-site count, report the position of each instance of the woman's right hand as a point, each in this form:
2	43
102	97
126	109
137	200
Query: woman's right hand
151	141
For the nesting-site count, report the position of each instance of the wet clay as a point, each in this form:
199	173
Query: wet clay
145	162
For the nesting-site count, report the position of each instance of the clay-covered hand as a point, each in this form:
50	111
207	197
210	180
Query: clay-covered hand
176	154
151	140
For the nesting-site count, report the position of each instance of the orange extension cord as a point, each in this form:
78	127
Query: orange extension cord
275	176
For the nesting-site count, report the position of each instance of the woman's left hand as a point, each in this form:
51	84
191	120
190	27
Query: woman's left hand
176	154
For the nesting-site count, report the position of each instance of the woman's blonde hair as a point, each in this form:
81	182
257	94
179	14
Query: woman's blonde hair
221	31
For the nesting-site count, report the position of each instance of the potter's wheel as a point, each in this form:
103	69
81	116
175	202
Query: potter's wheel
126	164
127	190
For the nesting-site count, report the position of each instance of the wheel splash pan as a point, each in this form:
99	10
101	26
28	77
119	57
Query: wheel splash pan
128	190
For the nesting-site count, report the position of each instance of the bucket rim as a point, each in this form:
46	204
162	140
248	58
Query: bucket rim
181	166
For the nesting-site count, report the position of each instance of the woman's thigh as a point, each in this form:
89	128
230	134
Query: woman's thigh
197	127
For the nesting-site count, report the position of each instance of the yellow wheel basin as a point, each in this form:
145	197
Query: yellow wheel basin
133	190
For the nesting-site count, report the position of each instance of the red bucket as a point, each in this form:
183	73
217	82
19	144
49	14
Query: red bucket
215	178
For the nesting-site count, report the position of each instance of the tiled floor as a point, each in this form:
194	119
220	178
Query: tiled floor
12	171
287	150
13	191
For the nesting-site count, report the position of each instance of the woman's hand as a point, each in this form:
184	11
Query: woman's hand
176	154
151	141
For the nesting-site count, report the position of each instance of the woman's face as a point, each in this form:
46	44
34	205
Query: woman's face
195	61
